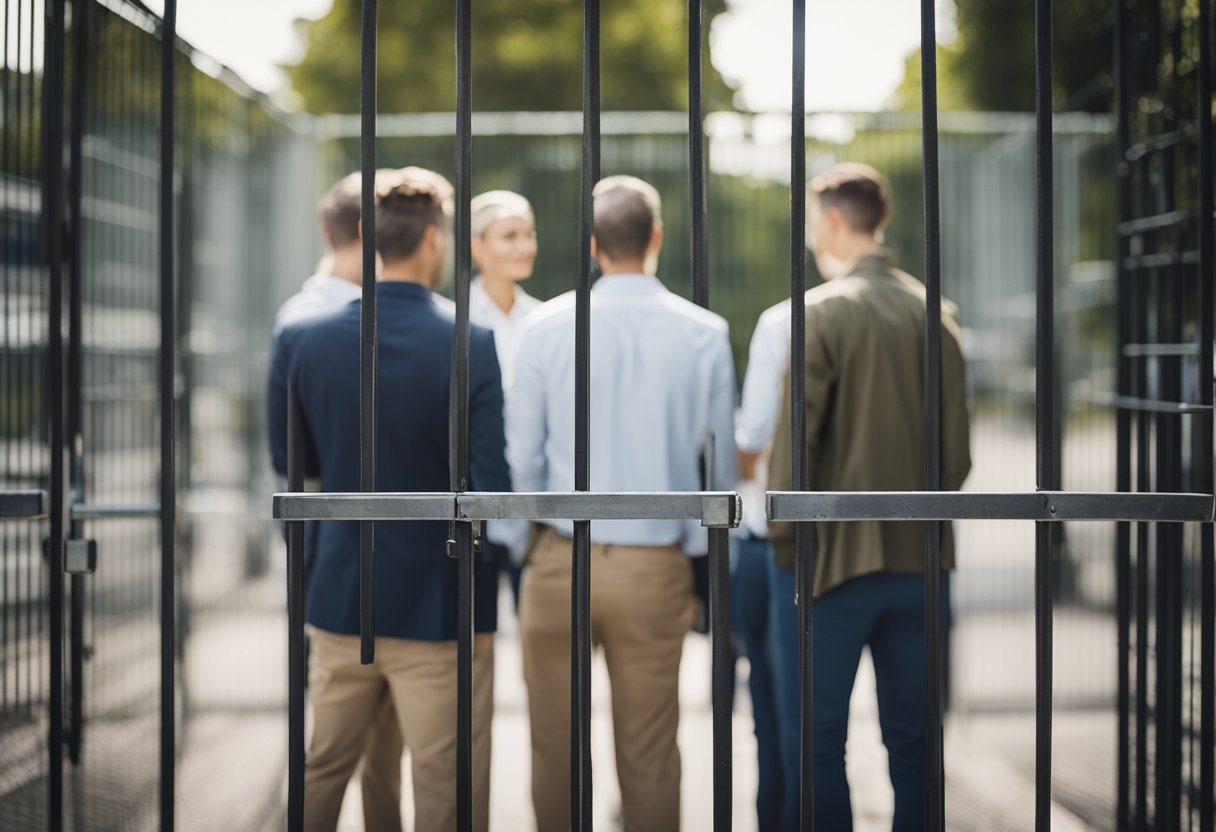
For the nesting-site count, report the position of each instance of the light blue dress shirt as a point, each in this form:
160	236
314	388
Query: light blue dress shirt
662	383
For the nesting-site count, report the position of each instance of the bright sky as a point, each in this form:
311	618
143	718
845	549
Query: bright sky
855	48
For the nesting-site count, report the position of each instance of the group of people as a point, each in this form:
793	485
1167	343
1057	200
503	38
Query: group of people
663	395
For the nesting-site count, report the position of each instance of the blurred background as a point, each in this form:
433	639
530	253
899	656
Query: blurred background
268	120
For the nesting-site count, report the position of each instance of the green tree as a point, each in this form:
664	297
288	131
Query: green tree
527	55
990	66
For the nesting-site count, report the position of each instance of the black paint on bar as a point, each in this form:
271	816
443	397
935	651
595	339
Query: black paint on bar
1044	408
52	228
296	670
698	202
804	533
1203	447
459	440
1123	428
75	367
168	421
580	604
723	673
935	804
719	563
367	334
1143	484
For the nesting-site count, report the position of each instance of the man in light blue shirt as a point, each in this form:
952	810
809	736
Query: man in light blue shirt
662	387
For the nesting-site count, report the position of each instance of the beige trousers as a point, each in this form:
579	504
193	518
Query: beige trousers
420	676
381	777
642	606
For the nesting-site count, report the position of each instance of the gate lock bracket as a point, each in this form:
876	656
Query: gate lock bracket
80	556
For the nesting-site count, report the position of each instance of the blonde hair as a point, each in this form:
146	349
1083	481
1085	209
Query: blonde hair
492	206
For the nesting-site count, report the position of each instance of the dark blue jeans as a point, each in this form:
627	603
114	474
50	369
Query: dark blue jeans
749	616
884	611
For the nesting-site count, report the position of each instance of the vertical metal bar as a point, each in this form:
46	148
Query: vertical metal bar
580	665
367	335
1203	448
1123	423
1143	553
804	533
719	562
75	363
1044	407
697	202
722	673
52	229
296	670
459	444
934	671
168	484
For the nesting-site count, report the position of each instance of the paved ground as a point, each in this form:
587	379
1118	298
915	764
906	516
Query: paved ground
231	774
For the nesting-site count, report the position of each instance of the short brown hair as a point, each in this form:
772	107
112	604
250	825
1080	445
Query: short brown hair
338	211
407	201
626	210
859	192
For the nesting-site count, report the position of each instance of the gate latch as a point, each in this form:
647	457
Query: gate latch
80	556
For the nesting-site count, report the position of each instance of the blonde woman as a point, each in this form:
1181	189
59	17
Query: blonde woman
504	251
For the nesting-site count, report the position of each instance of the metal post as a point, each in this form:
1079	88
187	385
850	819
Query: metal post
580	665
1203	447
934	671
75	365
168	480
459	444
1044	408
719	555
804	533
52	230
367	334
296	670
1123	425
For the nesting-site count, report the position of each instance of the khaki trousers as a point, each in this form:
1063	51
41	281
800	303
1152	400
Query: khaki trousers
642	606
420	676
381	778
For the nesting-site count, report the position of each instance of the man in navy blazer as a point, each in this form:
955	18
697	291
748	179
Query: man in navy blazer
416	583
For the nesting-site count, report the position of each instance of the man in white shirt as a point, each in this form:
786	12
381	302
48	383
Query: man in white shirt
338	282
662	383
767	364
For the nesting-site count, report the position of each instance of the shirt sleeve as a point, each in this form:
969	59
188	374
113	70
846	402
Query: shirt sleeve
527	432
767	360
721	416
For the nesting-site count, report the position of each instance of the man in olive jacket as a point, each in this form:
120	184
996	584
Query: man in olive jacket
865	329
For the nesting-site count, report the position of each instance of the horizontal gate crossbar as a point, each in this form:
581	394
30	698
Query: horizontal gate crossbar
28	504
86	511
1135	404
1160	350
794	506
714	509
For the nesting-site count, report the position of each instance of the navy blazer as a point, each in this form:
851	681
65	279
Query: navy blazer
416	582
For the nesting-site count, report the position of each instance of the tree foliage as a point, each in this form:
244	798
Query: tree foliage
991	65
526	55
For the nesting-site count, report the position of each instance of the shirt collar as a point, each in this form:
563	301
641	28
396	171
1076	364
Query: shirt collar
620	284
479	297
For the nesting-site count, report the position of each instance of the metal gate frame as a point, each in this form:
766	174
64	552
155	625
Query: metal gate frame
719	510
72	554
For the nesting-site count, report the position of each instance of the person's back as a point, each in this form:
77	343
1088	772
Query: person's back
414	365
653	404
415	582
662	381
864	414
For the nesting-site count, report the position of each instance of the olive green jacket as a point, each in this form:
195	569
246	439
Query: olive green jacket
865	417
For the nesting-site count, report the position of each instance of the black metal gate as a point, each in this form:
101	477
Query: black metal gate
1166	506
